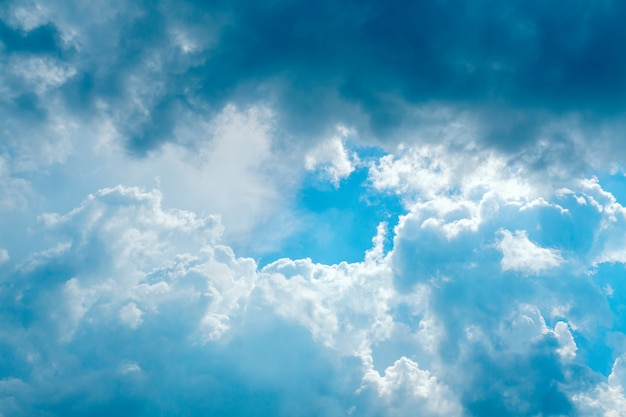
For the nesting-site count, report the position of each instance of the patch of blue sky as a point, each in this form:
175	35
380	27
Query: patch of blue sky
594	352
615	184
611	277
338	223
571	231
600	346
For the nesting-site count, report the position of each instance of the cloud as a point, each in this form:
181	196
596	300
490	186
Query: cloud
130	315
450	240
406	380
607	399
333	158
498	292
520	254
137	291
503	74
15	190
142	295
240	175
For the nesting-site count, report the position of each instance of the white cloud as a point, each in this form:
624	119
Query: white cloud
130	315
610	240
127	267
566	341
4	256
27	15
129	367
607	399
128	264
123	268
133	300
444	242
332	157
327	300
520	254
405	387
524	326
41	74
428	172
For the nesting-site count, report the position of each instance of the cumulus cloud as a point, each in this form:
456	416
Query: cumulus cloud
520	254
406	380
456	238
156	283
498	290
607	399
333	158
132	282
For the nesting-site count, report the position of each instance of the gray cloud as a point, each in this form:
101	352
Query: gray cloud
515	67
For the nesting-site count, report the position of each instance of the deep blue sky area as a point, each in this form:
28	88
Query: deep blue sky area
340	221
616	185
191	194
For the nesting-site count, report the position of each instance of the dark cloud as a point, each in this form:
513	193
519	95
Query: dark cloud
363	63
382	57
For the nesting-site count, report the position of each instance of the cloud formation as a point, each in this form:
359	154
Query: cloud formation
520	254
137	292
524	73
159	160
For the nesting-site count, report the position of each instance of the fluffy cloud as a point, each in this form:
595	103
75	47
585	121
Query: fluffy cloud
406	380
606	399
530	284
497	291
140	295
519	253
333	158
130	284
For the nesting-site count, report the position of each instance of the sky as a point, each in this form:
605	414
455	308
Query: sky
337	208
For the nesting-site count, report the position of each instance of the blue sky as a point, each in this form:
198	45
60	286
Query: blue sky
339	208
